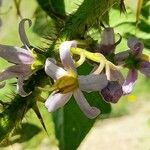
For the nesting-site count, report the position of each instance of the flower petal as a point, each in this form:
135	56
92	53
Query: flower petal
53	70
57	100
135	45
90	112
130	80
15	71
116	75
113	74
15	54
20	89
107	44
92	82
108	37
22	33
65	54
145	68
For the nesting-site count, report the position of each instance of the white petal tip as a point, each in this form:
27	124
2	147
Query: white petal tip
24	94
53	70
48	106
68	44
22	32
20	89
56	101
65	55
126	90
93	113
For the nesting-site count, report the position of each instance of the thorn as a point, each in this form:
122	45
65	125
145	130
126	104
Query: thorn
102	25
38	114
120	38
122	7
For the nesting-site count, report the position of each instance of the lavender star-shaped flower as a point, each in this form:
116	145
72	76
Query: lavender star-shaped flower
68	83
21	57
135	60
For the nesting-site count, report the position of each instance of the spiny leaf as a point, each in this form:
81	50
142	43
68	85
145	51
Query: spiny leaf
43	21
15	112
54	8
12	116
86	15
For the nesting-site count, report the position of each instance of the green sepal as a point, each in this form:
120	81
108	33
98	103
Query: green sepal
39	60
132	62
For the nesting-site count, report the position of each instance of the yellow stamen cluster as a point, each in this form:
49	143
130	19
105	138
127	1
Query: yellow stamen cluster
145	57
96	57
66	83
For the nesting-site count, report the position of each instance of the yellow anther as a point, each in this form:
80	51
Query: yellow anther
81	60
145	57
66	83
96	57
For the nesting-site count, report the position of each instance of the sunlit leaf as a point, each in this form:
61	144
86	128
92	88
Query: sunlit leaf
71	125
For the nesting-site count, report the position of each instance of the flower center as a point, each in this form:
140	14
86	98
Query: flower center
132	61
66	83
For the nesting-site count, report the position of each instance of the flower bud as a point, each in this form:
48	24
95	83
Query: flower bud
107	44
112	92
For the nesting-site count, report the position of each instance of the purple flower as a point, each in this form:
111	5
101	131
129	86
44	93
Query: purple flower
68	83
134	60
108	44
112	92
130	81
21	58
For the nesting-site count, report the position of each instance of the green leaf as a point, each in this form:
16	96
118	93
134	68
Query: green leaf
87	14
23	133
54	8
59	8
126	26
71	125
12	116
45	23
145	11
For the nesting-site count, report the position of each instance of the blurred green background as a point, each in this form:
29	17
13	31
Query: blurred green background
127	127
